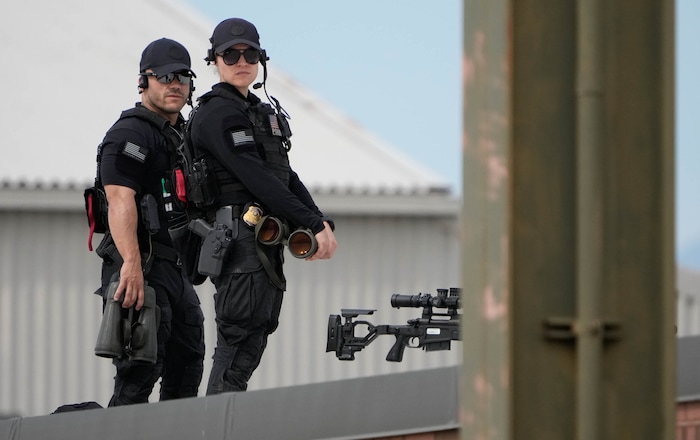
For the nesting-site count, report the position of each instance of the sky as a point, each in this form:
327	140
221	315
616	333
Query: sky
687	133
397	71
394	67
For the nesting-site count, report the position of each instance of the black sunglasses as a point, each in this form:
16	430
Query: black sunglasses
184	78
231	56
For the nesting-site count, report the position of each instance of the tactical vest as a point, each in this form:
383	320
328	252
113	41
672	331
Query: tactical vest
271	133
160	187
162	194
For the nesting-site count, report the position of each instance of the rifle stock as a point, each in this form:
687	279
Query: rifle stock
433	331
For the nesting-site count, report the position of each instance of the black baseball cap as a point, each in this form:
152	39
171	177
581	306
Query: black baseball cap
234	31
165	56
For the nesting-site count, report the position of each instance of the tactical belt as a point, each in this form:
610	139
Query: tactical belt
159	251
107	250
164	252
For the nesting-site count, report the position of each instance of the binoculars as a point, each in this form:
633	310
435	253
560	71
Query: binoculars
300	242
120	334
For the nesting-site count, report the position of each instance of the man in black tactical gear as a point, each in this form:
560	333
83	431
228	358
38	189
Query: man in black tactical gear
246	143
135	160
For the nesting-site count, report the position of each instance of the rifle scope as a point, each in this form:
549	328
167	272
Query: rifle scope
427	300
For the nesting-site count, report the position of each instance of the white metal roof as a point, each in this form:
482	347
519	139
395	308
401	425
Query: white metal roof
69	67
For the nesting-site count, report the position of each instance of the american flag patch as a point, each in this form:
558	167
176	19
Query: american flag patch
134	151
275	125
242	137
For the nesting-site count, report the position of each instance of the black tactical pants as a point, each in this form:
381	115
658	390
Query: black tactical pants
180	361
247	309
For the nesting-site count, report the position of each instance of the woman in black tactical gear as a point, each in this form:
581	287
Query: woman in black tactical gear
135	163
246	142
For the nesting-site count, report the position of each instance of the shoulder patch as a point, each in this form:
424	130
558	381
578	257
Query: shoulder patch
242	137
135	151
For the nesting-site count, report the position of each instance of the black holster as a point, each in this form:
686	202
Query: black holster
107	250
187	245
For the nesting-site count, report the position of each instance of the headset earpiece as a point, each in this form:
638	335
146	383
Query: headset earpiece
211	56
143	82
263	56
189	97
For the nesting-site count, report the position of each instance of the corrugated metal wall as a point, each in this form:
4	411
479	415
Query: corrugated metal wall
688	302
49	316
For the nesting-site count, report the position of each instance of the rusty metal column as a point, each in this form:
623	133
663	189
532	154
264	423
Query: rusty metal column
590	178
568	212
486	216
486	190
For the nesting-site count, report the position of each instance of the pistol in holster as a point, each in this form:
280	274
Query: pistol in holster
216	240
